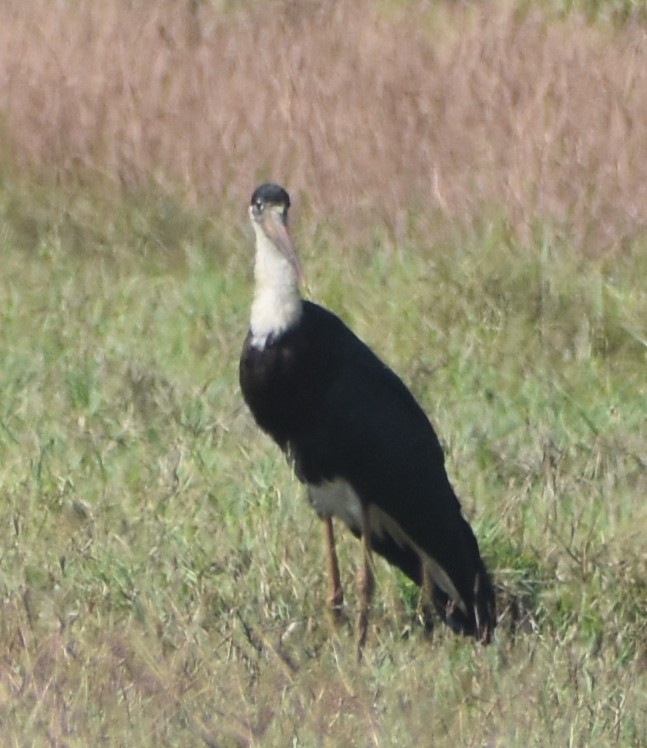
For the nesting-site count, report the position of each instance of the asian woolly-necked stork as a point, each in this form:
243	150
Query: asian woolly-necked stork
357	438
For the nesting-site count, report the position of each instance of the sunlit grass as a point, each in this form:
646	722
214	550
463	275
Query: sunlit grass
162	577
468	187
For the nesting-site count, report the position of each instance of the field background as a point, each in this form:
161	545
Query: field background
470	193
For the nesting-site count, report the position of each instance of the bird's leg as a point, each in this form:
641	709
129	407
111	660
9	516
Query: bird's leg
426	600
336	594
365	584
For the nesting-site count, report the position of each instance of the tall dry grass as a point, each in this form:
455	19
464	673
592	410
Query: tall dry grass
458	110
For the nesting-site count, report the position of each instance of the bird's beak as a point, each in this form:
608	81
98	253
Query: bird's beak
273	226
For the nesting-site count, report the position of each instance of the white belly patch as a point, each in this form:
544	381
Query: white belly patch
337	499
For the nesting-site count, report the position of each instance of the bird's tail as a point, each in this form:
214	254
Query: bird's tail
461	589
478	619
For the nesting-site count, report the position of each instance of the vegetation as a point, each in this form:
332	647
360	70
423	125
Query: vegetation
161	575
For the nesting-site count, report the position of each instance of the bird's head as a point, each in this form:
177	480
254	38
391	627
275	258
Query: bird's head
268	212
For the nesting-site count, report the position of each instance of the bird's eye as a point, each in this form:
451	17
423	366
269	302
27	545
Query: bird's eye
259	204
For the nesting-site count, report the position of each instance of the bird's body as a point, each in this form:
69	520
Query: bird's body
358	440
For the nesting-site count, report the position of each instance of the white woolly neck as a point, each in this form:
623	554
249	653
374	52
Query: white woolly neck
277	302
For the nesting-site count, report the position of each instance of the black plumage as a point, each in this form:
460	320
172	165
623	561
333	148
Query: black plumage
346	420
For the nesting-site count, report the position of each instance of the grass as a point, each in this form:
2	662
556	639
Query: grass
469	188
162	577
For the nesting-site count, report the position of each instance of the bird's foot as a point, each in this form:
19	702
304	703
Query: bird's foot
426	618
335	605
361	632
337	615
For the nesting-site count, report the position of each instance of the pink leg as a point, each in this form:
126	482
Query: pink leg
336	593
365	584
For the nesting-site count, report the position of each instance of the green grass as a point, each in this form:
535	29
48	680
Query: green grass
161	575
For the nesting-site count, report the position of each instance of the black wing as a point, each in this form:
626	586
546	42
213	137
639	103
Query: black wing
371	432
341	413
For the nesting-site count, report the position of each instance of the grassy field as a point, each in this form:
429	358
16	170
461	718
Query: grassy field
161	575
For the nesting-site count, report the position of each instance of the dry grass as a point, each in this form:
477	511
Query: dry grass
456	110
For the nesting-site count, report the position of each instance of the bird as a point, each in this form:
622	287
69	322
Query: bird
357	438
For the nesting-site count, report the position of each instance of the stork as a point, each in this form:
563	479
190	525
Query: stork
357	439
